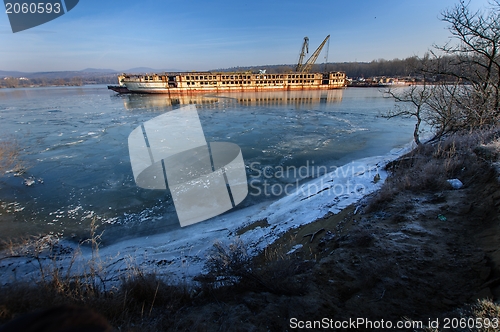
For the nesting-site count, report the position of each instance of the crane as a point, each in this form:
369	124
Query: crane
310	62
305	49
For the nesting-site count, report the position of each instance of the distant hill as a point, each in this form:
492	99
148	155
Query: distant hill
140	70
149	70
87	73
7	73
96	70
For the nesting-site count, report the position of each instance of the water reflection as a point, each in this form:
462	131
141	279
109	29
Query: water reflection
296	98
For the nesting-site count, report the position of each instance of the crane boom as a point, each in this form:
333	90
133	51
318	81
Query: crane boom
305	49
307	67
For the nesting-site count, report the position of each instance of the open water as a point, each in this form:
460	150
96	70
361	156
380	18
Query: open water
74	142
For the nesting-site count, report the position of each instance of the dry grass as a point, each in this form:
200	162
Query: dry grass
482	316
428	167
140	301
230	266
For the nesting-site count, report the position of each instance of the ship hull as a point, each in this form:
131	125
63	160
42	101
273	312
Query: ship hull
145	88
119	89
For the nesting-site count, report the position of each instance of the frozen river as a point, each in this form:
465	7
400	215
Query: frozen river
74	141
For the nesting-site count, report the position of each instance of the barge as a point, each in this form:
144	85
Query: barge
210	82
214	82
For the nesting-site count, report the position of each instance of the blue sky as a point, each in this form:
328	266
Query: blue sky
210	34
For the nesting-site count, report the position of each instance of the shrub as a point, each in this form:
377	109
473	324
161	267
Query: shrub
231	266
429	166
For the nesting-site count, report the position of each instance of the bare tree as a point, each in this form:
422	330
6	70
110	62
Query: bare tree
410	102
475	61
465	90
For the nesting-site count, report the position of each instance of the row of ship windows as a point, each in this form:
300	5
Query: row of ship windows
232	77
243	77
255	82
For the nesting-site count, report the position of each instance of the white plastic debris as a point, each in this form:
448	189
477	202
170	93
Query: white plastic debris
455	183
29	181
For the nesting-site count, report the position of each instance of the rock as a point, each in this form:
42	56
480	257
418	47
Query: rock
455	183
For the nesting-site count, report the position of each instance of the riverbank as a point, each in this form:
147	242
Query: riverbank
415	249
183	251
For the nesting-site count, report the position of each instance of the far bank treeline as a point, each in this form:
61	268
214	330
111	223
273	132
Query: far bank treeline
381	67
55	79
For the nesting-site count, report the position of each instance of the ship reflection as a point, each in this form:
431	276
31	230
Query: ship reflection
271	98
